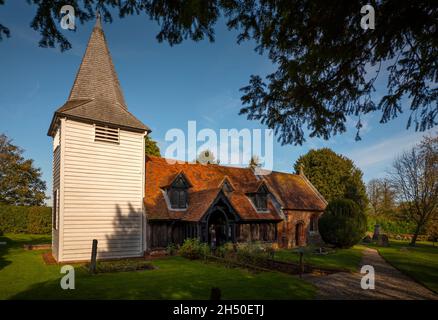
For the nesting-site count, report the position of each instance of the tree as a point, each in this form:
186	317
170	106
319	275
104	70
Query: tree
414	177
334	175
388	197
343	223
432	231
326	64
373	193
381	196
20	181
254	162
151	147
206	157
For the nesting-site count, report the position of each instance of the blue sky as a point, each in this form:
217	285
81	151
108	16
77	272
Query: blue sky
164	86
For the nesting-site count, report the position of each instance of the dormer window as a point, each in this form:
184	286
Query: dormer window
106	134
177	193
260	199
178	198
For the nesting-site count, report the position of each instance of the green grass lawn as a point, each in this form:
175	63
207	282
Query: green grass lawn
420	262
23	275
342	259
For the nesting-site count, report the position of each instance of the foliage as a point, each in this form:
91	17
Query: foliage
226	250
432	231
254	162
122	265
151	147
414	178
206	157
20	181
171	249
194	249
343	224
333	175
326	64
390	224
21	219
24	275
381	195
251	252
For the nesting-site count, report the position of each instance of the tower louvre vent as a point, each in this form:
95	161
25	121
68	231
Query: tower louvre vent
106	134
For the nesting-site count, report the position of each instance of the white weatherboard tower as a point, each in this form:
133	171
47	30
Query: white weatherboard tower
98	164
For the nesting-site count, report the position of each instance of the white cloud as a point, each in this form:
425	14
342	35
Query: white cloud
385	150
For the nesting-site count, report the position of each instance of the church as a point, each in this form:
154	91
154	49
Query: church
105	187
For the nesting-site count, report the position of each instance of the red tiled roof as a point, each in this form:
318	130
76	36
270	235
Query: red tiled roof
295	192
291	191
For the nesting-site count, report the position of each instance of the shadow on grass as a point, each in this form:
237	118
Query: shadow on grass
49	290
4	249
17	241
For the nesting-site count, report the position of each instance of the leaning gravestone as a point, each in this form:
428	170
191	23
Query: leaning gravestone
376	232
383	241
367	239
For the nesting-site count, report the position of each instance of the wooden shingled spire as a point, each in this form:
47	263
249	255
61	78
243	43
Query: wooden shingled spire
96	95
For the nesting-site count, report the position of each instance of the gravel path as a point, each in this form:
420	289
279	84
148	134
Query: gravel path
389	283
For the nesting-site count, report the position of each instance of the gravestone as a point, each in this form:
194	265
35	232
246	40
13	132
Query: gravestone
383	241
376	232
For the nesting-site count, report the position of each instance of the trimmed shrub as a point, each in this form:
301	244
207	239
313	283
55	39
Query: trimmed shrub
22	219
343	224
194	249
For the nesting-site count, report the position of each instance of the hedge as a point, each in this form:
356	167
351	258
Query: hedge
21	219
388	225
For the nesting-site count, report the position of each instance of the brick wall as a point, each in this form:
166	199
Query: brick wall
287	230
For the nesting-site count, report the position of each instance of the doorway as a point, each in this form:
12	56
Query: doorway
218	228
